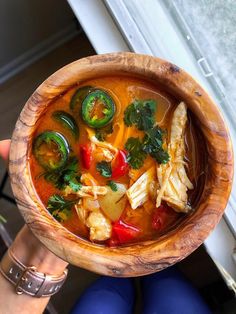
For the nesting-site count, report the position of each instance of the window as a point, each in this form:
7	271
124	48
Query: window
196	35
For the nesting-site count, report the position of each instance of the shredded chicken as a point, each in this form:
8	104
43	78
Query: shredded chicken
172	177
138	193
100	227
81	211
101	154
87	191
88	179
105	145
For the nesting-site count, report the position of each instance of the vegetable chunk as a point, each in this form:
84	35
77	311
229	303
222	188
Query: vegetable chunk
113	203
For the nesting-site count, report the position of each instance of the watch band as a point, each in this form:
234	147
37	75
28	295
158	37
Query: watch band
27	279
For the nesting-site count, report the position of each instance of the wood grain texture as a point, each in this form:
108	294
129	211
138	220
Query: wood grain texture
150	256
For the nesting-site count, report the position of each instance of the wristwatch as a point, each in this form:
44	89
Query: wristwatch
27	279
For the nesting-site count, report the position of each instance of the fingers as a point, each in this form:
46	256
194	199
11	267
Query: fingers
4	149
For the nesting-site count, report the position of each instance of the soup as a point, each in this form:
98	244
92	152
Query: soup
114	160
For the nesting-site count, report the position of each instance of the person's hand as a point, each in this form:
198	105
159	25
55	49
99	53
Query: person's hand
4	149
26	247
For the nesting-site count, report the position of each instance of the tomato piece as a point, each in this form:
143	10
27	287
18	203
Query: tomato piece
121	166
86	155
124	232
161	216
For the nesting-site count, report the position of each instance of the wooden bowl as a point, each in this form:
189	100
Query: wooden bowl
150	256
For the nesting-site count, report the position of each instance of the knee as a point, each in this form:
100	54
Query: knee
107	295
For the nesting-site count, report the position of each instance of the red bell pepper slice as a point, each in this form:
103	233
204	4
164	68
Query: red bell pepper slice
161	216
124	232
86	155
121	166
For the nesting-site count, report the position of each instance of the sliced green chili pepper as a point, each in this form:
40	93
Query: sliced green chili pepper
51	150
79	96
98	109
67	121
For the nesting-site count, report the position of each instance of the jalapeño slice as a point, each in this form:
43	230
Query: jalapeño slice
51	150
67	121
79	96
98	109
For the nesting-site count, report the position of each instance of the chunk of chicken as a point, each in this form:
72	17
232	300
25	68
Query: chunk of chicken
138	193
172	177
100	227
87	191
84	206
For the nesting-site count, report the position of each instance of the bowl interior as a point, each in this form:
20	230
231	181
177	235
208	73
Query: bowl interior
209	201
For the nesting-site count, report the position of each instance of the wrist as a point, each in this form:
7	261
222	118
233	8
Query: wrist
31	267
31	252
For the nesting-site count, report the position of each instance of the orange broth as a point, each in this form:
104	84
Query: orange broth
123	90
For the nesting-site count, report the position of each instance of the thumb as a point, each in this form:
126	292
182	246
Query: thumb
4	149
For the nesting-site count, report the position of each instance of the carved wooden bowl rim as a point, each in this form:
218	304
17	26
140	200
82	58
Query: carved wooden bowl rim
145	257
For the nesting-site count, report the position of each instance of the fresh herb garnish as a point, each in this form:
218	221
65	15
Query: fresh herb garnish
161	156
75	185
59	207
153	140
112	185
102	133
141	114
68	175
152	144
104	168
136	155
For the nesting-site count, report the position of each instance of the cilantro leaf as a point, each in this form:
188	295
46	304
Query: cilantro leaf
104	168
136	155
161	156
152	144
153	140
59	207
75	185
68	175
141	114
112	185
102	133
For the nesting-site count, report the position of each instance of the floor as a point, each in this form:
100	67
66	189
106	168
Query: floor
13	94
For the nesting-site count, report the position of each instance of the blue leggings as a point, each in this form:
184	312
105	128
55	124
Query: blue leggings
166	292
